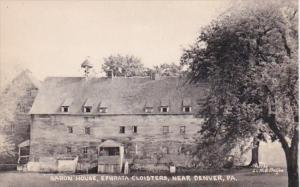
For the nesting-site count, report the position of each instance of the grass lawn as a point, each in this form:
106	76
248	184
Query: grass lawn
245	178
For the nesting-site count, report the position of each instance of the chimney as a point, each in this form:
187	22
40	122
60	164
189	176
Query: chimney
155	76
110	74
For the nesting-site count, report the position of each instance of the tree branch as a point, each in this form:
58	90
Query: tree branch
272	124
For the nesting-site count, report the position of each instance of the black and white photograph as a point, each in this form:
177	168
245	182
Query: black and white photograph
151	93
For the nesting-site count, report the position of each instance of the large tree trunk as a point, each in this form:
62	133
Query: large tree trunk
292	169
291	152
292	161
254	157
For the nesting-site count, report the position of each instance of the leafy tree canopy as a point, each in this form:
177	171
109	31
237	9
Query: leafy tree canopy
127	65
249	57
169	69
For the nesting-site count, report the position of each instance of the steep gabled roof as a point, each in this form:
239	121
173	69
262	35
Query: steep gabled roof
28	74
120	95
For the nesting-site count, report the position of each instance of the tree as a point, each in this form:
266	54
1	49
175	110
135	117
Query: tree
7	114
168	69
127	66
15	103
249	57
7	149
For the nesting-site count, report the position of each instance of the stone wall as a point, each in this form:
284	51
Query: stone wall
50	137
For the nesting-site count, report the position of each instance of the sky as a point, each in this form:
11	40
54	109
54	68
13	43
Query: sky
52	38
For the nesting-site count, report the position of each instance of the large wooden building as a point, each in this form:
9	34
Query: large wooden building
104	122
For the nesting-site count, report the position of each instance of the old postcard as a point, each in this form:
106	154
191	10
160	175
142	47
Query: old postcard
149	93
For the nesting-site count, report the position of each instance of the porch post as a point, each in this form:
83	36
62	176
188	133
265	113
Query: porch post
19	155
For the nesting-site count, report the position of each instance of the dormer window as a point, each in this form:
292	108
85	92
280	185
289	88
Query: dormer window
103	107
65	109
164	109
103	110
187	109
88	105
87	109
148	107
65	106
186	105
164	105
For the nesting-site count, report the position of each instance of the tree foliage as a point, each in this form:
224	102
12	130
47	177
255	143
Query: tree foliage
14	104
249	58
7	148
127	66
7	111
168	69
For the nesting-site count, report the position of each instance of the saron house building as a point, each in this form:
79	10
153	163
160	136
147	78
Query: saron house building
89	123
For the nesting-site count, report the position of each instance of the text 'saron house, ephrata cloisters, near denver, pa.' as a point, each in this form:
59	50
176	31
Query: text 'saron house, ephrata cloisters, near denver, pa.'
102	122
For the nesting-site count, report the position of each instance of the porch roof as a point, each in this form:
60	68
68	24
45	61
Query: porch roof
110	143
24	144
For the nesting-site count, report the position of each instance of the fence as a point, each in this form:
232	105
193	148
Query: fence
8	167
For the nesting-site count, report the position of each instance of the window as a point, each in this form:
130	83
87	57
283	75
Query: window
66	104
70	130
187	109
64	109
164	109
87	130
88	105
103	106
85	150
103	110
164	104
21	108
69	150
182	129
134	129
122	129
165	149
109	151
87	109
148	109
165	129
12	128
